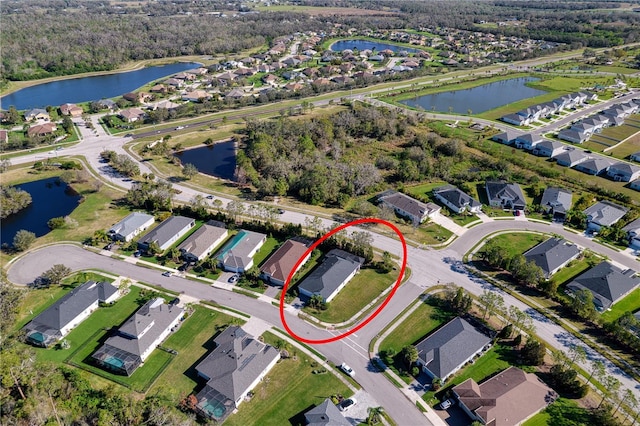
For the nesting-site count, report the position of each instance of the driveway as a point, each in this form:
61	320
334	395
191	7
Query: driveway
358	413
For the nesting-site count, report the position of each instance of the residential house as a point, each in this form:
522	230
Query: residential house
449	348
202	242
635	156
607	283
604	213
68	312
72	110
623	172
635	185
132	114
139	97
127	229
43	129
548	148
233	368
227	78
506	138
167	233
235	94
237	254
527	141
633	233
36	114
408	207
164	104
107	104
325	414
571	158
136	339
552	255
593	165
271	79
507	399
279	265
159	88
335	271
573	136
456	200
505	195
196	96
556	201
174	82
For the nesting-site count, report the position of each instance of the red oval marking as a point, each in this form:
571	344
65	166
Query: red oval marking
370	317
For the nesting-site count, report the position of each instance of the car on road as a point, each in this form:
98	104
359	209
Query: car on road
280	211
209	197
347	403
166	274
446	404
128	135
348	370
233	278
179	127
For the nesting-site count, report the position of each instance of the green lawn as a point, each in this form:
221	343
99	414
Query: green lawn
630	303
517	242
193	341
360	291
287	392
629	147
574	268
265	251
424	188
562	412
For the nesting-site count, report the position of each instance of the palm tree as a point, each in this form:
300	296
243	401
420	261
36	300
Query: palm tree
375	413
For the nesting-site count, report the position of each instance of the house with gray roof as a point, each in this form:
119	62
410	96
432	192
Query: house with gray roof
505	195
527	141
450	347
570	158
557	202
635	185
515	119
573	135
552	255
279	265
167	233
604	213
633	233
335	271
234	367
325	414
237	254
202	242
593	166
136	339
635	156
68	312
607	283
408	207
456	200
623	172
548	148
129	227
506	138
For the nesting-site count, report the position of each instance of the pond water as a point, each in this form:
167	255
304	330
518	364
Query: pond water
217	160
49	198
85	89
477	99
360	45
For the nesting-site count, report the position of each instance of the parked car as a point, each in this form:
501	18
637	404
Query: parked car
209	197
166	274
347	403
137	253
280	211
179	127
348	370
233	278
446	404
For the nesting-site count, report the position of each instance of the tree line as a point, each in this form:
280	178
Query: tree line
12	200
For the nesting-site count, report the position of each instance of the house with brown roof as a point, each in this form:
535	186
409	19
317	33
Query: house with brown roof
43	129
132	114
507	399
406	206
196	96
72	110
280	264
159	88
137	97
201	243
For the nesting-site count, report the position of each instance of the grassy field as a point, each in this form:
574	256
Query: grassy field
630	146
517	242
360	291
193	341
562	412
630	303
289	390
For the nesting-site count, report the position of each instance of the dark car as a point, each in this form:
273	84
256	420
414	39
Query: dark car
280	211
137	253
175	301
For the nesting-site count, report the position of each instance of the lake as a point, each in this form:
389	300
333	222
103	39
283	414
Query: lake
477	99
361	45
93	88
217	160
50	198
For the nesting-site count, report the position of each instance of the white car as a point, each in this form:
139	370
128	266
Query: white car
446	404
344	367
179	127
347	403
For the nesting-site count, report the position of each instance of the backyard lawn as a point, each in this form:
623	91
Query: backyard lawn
265	251
193	341
517	242
630	303
562	412
360	291
287	392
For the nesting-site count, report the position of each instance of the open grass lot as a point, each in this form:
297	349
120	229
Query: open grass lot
630	303
287	392
193	341
360	291
424	189
620	132
630	146
517	242
563	411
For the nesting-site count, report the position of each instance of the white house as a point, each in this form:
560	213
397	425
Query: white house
130	226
